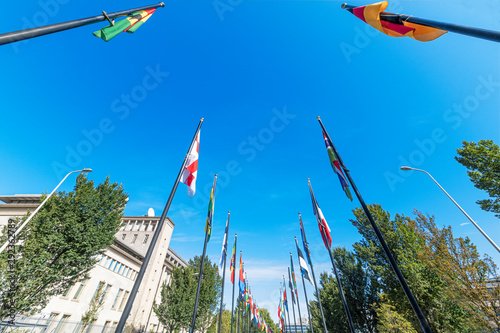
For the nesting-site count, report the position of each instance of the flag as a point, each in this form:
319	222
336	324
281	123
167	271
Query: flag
303	266
211	203
291	286
191	169
323	226
223	252
304	241
370	14
293	277
284	295
242	280
129	24
336	167
233	261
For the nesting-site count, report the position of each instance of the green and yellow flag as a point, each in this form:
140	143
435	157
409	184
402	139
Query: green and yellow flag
208	226
130	24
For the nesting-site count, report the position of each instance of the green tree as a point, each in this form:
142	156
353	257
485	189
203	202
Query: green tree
264	313
390	321
482	161
95	306
225	323
60	244
175	310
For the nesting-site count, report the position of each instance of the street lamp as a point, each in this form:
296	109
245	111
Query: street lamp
38	208
463	211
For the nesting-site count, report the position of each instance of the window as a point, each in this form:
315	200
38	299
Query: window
134	238
116	265
139	224
66	292
124	236
146	225
153	225
124	301
101	283
120	269
111	263
106	327
50	320
62	323
106	291
125	271
131	226
80	288
145	239
105	261
115	302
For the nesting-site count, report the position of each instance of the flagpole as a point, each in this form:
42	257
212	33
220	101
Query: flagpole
234	282
314	277
459	29
328	248
286	301
238	315
296	294
223	272
293	297
284	315
418	312
147	257
200	276
15	36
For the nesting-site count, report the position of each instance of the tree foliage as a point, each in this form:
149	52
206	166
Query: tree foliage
456	288
175	310
60	244
482	161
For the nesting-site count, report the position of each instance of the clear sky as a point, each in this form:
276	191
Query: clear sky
259	72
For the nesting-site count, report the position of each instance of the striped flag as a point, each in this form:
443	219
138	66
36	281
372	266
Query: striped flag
323	226
223	252
336	167
293	277
242	279
304	241
233	261
191	169
303	266
129	24
370	14
291	286
208	226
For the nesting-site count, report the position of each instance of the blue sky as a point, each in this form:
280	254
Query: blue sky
259	73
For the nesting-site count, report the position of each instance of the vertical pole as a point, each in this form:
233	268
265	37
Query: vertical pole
307	305
293	297
224	271
413	302
341	291
234	282
156	235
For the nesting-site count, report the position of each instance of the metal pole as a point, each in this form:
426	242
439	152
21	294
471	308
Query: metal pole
38	208
459	29
147	257
15	36
314	277
223	272
305	292
154	299
416	308
293	297
287	312
463	211
341	291
234	281
200	277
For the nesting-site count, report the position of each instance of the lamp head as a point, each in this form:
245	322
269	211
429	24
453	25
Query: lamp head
406	168
87	170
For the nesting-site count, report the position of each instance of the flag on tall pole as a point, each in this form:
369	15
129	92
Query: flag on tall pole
190	171
222	267
325	233
129	24
336	168
286	302
306	249
133	293
208	231
324	229
296	294
242	278
304	272
233	271
399	25
416	308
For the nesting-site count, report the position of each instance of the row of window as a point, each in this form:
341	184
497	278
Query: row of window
59	328
138	226
118	267
134	238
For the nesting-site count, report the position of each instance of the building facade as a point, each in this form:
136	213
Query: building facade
116	272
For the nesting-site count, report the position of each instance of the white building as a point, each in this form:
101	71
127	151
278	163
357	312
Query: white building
116	271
